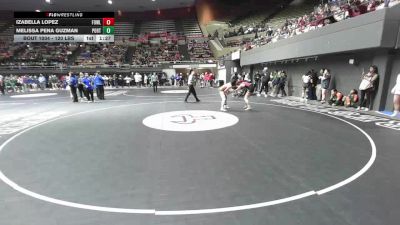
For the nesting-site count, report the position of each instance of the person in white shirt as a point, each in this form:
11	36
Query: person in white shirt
396	98
325	82
138	79
191	80
42	82
306	78
128	80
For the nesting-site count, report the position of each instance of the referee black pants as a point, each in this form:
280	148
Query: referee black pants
155	84
191	91
100	92
74	94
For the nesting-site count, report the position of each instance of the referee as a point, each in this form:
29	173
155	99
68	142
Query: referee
191	86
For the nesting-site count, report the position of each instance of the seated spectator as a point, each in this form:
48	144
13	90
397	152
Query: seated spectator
336	98
352	99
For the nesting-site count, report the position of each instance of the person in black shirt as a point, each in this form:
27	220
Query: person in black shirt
257	82
264	84
313	87
2	85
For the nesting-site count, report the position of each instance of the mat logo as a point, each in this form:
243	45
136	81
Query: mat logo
190	119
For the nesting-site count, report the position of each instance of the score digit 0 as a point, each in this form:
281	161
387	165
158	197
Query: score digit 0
108	30
108	21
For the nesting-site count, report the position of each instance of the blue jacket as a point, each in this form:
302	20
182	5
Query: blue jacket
73	81
88	84
98	80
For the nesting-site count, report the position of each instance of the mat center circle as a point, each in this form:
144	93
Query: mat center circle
190	120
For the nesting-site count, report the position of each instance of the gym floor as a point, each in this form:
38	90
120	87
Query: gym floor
283	162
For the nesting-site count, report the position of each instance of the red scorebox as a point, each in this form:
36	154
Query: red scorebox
108	21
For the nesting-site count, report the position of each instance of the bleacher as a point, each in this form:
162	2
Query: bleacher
124	29
158	26
146	47
191	27
41	54
292	11
154	51
199	49
8	31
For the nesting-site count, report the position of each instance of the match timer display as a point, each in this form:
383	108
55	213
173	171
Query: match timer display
64	27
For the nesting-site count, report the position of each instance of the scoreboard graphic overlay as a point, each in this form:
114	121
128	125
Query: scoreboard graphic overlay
64	27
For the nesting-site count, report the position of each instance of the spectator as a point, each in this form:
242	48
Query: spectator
128	80
154	81
275	81
352	99
257	81
396	99
138	79
120	81
42	82
282	83
172	78
181	79
202	80
367	88
177	79
163	79
2	85
211	79
313	86
336	98
80	86
145	80
306	78
325	82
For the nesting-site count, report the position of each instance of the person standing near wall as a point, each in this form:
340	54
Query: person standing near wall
154	82
257	79
264	84
282	84
367	88
2	85
138	80
325	81
145	79
306	78
396	98
191	82
314	82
